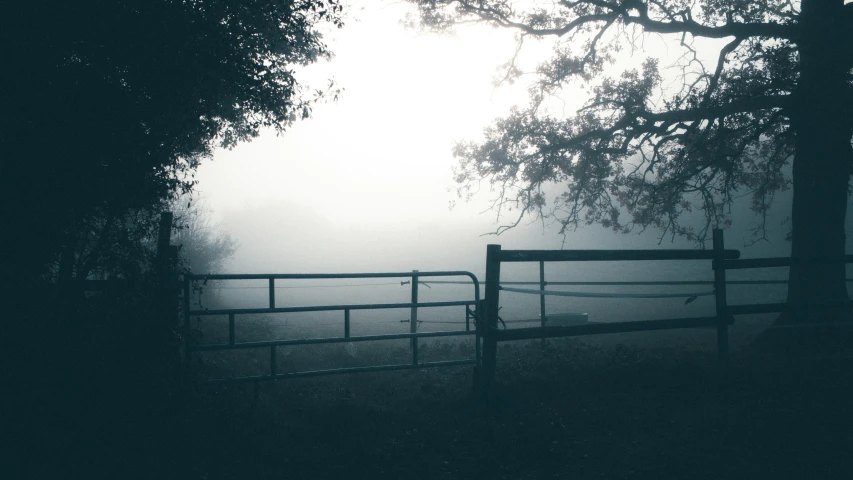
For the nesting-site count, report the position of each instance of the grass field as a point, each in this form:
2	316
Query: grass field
633	406
630	406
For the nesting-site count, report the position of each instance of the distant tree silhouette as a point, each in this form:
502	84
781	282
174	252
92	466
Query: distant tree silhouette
778	93
110	246
203	246
107	245
108	107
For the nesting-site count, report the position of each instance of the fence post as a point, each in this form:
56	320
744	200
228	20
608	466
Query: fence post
467	318
486	376
346	323
413	321
720	298
542	298
187	323
478	341
232	336
187	300
165	267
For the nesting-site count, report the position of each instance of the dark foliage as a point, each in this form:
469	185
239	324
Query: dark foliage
109	106
106	110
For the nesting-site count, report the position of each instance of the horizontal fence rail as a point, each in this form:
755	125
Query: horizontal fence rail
672	282
274	345
608	255
602	328
329	308
336	371
735	264
775	262
330	276
321	340
754	308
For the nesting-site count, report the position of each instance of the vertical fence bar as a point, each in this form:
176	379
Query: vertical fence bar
273	362
542	298
467	319
272	293
231	329
187	336
413	322
346	323
187	301
720	298
477	315
485	378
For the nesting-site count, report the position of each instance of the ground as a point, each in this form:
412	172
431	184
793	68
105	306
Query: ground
579	409
651	405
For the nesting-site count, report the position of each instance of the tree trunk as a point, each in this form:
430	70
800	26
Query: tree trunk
822	166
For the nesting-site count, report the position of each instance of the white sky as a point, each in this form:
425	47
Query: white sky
383	150
363	185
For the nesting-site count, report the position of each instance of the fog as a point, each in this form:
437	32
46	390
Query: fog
291	238
365	186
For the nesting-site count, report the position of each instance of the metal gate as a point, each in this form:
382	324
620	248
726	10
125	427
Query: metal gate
273	345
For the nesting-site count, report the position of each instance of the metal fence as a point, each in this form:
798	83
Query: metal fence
492	334
721	258
488	332
273	345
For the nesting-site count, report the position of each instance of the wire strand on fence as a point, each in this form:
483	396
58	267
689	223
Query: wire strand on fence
606	295
449	282
797	325
304	286
673	282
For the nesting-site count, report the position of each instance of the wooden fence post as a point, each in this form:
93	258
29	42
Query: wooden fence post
720	297
413	321
486	376
542	299
166	272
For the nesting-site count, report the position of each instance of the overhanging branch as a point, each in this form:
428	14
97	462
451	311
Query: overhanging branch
634	12
677	116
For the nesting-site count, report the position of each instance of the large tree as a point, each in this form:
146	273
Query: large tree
108	107
762	100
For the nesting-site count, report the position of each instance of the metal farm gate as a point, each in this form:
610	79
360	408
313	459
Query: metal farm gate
415	277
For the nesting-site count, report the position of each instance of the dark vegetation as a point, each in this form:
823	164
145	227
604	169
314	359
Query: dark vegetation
107	110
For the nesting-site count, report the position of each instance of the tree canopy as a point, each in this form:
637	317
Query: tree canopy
111	105
761	100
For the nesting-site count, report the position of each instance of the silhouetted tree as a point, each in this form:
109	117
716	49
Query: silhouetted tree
108	107
778	90
110	245
203	246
